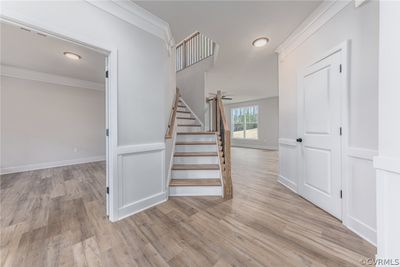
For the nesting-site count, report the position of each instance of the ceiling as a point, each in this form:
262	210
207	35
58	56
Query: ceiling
29	50
245	71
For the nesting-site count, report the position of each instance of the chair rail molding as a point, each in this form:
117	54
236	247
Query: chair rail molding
139	17
387	164
319	17
25	74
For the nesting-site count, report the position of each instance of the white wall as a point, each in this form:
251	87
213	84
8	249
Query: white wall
360	26
388	161
268	120
248	81
43	124
191	83
140	77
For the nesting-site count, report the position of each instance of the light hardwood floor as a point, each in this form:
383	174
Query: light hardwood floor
56	217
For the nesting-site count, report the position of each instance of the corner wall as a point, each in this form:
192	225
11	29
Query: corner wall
360	27
388	161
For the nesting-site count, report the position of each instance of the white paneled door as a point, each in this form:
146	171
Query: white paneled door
319	134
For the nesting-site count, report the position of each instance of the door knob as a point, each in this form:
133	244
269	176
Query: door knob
299	140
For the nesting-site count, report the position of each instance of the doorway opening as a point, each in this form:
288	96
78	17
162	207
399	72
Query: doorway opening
54	115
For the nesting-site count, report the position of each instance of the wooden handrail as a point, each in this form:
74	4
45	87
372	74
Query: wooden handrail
225	133
171	123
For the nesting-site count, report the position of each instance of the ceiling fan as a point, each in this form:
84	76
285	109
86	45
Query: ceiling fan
225	96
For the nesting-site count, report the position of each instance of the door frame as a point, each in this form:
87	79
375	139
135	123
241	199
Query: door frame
344	117
111	94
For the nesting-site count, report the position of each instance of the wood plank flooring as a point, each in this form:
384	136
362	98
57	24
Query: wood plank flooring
56	217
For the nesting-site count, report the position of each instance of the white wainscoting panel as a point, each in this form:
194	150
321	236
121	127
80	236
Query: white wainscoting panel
360	193
141	175
288	163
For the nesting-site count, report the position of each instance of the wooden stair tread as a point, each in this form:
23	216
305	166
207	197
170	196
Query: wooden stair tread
181	111
195	143
196	133
195	182
195	167
196	154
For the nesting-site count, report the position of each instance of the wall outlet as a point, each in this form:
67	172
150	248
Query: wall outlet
76	149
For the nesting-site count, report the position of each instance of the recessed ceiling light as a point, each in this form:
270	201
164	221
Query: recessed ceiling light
72	56
260	42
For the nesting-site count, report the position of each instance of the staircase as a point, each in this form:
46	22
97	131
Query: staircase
196	168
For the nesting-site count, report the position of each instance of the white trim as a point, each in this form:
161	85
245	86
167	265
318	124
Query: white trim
139	17
351	222
361	153
319	17
132	208
182	191
25	74
287	183
361	229
46	165
142	204
387	164
255	146
129	149
287	141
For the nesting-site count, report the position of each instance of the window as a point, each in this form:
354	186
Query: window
245	122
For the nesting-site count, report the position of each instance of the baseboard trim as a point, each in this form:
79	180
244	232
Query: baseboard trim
141	205
256	146
361	229
46	165
287	183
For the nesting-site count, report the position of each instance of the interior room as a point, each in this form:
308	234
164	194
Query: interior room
53	118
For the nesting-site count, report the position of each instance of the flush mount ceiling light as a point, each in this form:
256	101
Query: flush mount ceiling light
72	56
260	42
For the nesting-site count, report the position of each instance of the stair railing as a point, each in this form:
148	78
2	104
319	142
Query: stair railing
172	119
224	132
193	49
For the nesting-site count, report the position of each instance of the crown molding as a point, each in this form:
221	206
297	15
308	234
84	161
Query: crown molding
135	15
31	75
319	17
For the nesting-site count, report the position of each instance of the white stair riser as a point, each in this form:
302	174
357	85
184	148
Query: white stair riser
195	191
196	160
189	138
195	148
184	115
187	122
195	174
189	129
181	109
